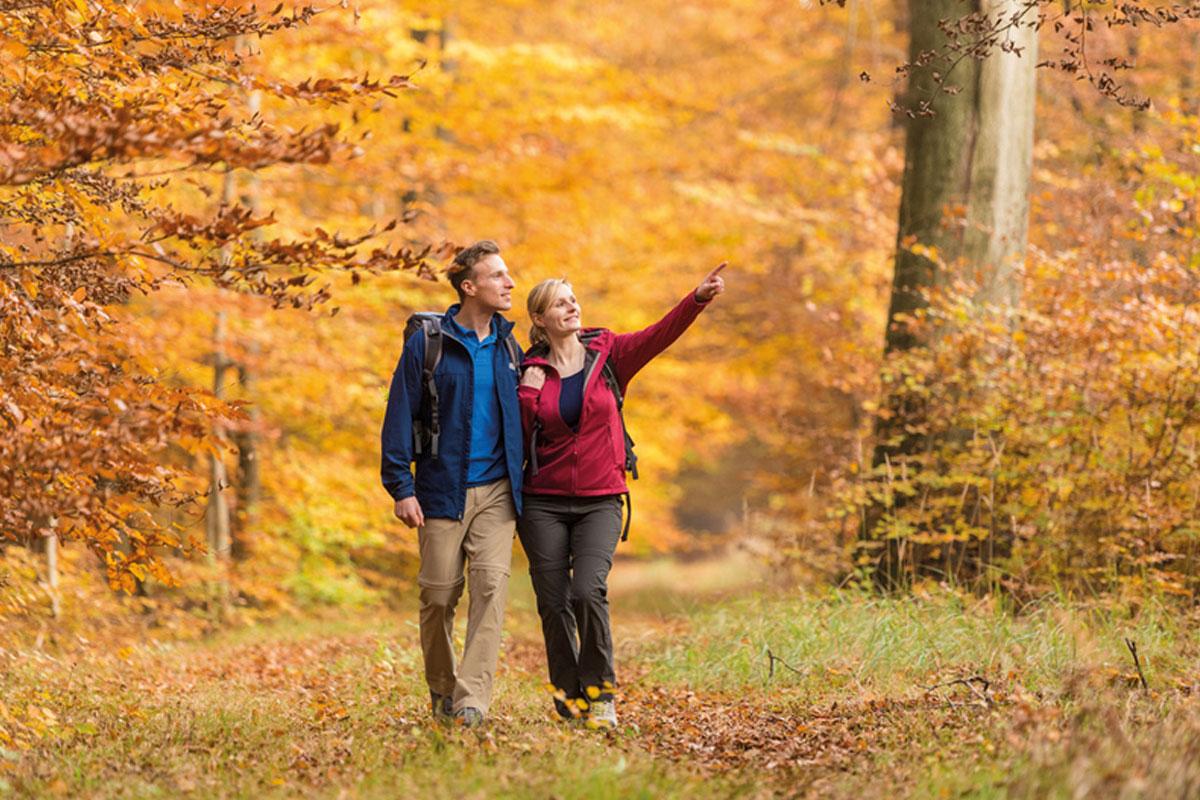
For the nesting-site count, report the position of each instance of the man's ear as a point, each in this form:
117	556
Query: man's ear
468	287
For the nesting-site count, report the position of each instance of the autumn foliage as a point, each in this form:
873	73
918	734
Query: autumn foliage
216	217
108	109
293	170
1061	441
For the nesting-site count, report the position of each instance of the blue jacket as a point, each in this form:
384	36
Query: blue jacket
441	483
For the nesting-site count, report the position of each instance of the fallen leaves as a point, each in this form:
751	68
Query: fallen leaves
724	733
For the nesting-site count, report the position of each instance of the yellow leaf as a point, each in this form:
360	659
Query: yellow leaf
14	48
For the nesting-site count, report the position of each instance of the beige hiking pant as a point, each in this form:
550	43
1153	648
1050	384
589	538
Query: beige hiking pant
483	538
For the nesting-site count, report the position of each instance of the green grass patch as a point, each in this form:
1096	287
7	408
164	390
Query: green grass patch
844	642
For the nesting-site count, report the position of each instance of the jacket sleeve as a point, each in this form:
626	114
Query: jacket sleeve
530	399
632	351
403	404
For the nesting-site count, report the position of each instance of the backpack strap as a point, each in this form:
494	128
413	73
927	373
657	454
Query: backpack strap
610	377
609	374
628	517
533	443
514	351
433	356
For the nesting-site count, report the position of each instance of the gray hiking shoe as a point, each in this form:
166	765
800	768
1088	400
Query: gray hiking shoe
442	705
602	715
468	717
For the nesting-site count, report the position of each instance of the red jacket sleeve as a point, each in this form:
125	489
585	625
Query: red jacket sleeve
632	351
529	399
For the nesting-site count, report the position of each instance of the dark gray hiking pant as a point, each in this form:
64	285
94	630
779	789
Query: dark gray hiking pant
570	543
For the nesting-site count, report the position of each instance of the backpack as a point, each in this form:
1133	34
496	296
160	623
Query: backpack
427	425
609	374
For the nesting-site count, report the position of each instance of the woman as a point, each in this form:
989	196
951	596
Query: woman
575	478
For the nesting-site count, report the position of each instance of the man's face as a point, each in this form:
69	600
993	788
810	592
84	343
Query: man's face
490	285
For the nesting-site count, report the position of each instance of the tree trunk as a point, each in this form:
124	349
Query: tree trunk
965	195
52	573
218	512
249	480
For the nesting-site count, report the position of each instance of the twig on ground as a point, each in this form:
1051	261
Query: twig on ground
978	685
1137	662
772	658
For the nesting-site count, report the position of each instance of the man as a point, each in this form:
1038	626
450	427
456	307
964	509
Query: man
467	490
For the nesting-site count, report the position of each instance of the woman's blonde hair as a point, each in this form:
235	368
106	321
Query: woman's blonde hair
540	298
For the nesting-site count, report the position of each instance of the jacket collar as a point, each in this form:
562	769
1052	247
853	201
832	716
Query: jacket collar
500	326
537	354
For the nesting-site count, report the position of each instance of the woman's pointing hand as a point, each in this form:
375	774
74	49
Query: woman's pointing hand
712	285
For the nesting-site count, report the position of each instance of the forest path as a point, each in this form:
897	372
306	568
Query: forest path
337	708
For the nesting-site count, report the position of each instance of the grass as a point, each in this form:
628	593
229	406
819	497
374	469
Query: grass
336	707
845	641
317	713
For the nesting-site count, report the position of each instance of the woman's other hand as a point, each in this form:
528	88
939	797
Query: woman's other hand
712	285
534	378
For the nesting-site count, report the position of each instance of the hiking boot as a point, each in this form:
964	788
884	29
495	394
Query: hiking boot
572	709
602	715
468	717
442	706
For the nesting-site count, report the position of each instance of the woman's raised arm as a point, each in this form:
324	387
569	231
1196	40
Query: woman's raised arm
632	351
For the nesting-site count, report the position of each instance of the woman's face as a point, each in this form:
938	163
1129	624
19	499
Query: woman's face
563	315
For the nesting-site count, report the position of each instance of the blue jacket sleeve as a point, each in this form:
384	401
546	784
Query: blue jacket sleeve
403	404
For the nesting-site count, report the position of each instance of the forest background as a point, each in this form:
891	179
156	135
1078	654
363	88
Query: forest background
591	144
596	143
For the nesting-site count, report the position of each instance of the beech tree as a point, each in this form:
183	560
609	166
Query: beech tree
963	222
107	111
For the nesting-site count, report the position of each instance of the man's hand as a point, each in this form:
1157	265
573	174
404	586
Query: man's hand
534	377
712	285
409	512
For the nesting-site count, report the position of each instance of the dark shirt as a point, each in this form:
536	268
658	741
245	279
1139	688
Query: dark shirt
570	399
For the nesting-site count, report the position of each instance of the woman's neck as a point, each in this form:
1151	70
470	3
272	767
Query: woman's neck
566	353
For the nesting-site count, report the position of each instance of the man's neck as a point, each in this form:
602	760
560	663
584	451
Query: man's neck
474	317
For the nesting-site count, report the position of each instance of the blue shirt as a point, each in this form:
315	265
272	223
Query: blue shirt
487	444
570	399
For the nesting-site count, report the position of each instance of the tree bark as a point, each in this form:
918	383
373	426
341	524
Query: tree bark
249	480
965	195
218	512
975	154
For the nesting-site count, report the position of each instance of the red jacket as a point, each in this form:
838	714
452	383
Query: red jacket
591	462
